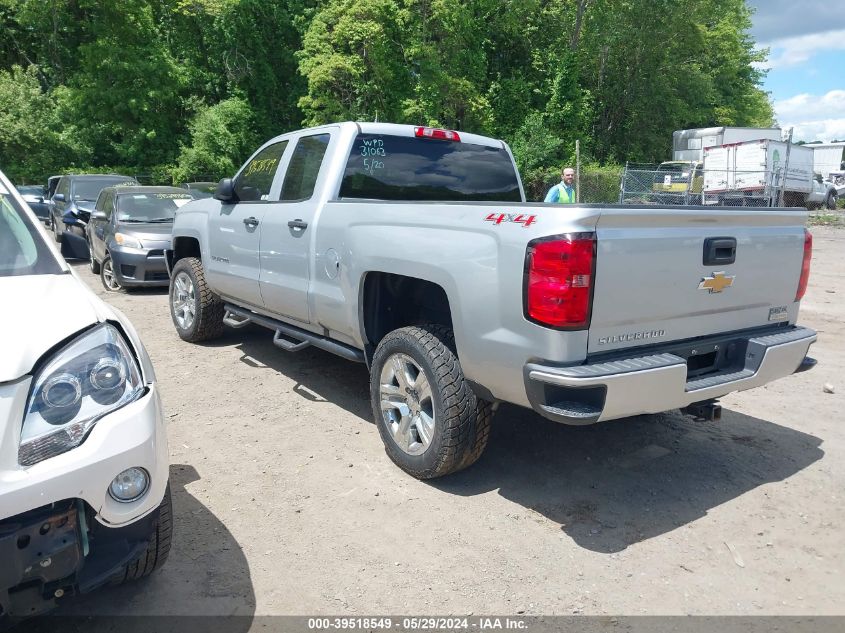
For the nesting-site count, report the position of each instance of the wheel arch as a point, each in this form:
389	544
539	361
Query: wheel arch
389	301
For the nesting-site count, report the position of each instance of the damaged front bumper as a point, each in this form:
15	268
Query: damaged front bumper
59	550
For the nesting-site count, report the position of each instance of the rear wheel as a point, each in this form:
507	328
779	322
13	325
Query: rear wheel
108	277
431	422
196	311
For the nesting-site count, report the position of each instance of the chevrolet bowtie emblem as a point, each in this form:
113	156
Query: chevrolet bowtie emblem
716	283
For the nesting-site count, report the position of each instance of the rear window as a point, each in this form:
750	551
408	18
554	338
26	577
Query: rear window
387	167
22	249
88	188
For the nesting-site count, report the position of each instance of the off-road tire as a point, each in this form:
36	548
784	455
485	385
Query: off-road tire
830	201
208	307
158	548
462	421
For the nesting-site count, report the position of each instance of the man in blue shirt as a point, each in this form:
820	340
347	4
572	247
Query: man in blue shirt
563	193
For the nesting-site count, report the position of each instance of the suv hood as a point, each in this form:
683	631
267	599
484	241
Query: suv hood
152	232
50	308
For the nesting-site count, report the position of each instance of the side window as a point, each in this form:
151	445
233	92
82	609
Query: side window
64	188
108	204
255	179
304	167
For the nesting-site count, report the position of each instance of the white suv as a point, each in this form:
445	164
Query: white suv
84	495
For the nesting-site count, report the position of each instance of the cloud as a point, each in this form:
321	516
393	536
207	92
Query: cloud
781	19
813	118
792	51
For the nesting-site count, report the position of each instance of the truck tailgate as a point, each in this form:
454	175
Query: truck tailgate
654	282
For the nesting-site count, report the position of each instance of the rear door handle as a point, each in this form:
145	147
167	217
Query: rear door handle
297	224
251	221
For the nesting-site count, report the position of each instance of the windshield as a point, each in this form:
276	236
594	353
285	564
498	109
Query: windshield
22	249
31	190
89	188
387	167
201	189
149	207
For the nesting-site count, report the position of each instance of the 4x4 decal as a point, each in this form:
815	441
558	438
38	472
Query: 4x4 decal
516	218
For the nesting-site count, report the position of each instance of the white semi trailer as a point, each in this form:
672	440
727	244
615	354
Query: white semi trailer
690	144
759	172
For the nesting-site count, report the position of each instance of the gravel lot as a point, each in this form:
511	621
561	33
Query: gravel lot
285	502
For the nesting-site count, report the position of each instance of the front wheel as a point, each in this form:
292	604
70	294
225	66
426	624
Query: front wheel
107	275
196	311
431	422
159	545
830	201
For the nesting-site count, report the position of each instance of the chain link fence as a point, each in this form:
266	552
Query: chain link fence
678	184
686	184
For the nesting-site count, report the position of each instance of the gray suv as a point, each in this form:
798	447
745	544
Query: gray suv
128	232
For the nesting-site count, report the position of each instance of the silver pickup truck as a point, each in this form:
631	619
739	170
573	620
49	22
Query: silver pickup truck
412	250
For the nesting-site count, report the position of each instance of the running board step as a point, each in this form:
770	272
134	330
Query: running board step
288	345
300	338
235	321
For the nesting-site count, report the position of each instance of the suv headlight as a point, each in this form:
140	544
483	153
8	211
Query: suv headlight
90	377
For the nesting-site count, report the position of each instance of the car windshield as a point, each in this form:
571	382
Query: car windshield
201	189
149	207
22	249
89	188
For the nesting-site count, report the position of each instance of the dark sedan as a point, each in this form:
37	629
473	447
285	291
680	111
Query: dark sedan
128	233
74	198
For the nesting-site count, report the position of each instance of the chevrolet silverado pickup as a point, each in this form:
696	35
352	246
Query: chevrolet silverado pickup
413	250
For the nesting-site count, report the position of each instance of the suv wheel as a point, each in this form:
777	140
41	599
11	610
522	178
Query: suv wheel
196	311
431	422
831	201
108	277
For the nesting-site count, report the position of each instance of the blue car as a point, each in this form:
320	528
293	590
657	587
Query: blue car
73	201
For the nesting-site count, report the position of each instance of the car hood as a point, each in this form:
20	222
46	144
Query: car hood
148	232
49	309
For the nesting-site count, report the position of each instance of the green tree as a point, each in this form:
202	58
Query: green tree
33	145
222	138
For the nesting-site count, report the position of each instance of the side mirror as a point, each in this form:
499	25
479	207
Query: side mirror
225	191
59	197
99	215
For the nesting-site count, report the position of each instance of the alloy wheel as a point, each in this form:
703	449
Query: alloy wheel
407	404
184	300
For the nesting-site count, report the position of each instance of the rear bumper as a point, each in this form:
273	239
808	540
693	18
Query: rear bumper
651	383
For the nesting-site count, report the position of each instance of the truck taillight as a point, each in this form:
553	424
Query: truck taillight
436	133
805	265
559	280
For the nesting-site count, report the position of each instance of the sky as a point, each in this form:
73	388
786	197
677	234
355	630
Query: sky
806	65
